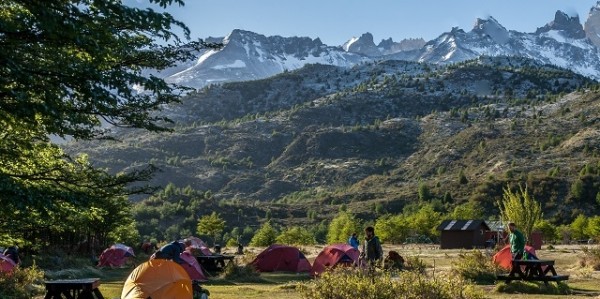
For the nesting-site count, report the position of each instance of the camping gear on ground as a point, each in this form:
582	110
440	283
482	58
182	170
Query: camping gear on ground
115	256
6	264
281	258
158	279
393	261
333	255
192	267
199	291
503	258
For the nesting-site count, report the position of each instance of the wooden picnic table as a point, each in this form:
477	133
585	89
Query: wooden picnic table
85	288
532	270
215	262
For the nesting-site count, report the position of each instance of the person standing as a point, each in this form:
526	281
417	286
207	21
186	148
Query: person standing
516	240
353	241
372	251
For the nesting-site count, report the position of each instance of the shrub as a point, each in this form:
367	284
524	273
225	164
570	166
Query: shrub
246	273
22	283
415	264
351	284
476	267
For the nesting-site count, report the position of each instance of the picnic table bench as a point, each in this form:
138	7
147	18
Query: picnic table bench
214	262
532	270
85	288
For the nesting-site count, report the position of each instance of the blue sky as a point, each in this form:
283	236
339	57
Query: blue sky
336	21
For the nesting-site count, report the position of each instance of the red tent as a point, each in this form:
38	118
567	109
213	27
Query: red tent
281	258
198	244
504	258
192	267
115	256
6	264
336	254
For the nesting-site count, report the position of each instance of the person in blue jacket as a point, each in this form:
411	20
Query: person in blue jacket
353	241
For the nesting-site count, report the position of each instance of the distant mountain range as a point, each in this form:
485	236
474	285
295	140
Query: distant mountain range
246	55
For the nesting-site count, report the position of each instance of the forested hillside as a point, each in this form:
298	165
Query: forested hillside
385	137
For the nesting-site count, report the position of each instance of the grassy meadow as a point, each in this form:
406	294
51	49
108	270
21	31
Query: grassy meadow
583	281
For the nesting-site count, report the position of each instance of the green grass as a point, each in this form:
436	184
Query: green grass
276	285
583	284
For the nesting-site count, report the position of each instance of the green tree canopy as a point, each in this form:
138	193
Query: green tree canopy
211	225
392	228
264	236
296	236
72	69
521	208
342	227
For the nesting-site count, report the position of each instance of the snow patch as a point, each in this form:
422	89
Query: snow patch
236	64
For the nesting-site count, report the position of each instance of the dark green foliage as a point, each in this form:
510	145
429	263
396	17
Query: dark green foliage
68	69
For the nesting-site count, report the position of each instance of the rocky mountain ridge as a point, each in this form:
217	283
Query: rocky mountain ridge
246	55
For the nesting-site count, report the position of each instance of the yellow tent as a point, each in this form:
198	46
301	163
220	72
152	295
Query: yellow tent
158	279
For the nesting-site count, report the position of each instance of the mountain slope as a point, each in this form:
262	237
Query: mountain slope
370	134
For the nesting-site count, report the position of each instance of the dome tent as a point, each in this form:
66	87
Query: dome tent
281	258
115	256
333	255
158	279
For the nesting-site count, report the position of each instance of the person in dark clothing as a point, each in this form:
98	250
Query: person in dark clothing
372	251
12	252
170	251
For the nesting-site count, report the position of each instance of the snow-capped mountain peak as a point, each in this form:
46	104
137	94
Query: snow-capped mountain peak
569	26
247	55
363	45
491	28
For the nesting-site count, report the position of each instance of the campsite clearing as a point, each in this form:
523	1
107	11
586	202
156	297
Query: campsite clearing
583	281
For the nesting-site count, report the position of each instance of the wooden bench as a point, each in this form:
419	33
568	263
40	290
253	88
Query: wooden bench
532	270
85	288
215	262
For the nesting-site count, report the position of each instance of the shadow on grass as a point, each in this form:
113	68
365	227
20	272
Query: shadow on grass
262	279
522	287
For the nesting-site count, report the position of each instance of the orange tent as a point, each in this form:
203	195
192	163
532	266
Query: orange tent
503	258
158	279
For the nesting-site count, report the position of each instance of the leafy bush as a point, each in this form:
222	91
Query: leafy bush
351	284
415	264
22	283
476	267
238	273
